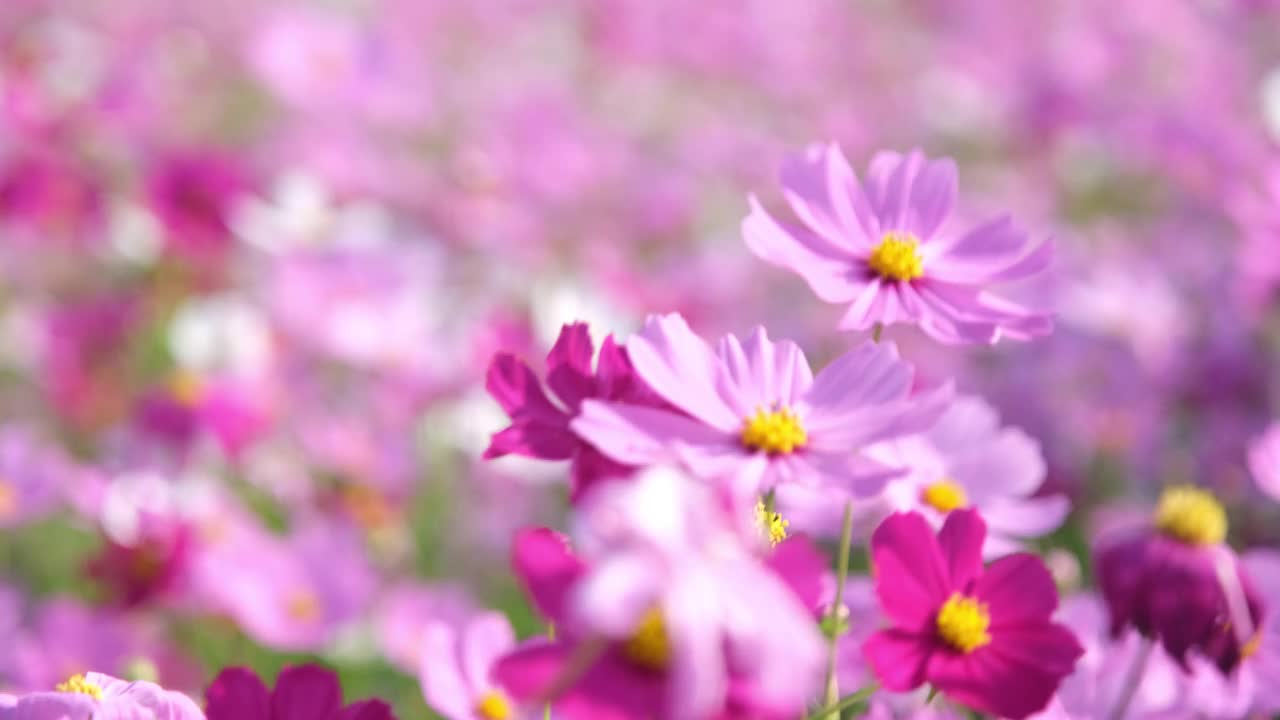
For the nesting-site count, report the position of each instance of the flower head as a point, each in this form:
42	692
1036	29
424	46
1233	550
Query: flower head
881	246
981	636
540	424
95	695
752	410
457	661
1177	582
302	691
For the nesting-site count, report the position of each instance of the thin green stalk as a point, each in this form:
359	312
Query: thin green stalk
842	576
848	701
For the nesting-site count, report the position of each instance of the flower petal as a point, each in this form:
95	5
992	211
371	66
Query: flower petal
1017	588
829	272
237	693
960	541
911	574
681	368
898	658
306	692
764	373
547	568
485	638
444	684
869	373
569	372
638	435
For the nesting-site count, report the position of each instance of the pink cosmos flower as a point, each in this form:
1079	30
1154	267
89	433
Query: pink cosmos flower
983	637
33	476
1178	582
302	692
1264	461
191	192
881	246
540	423
968	460
456	666
94	695
408	609
756	413
658	595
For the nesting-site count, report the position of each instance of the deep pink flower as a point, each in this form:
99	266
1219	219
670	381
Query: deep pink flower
303	692
881	247
94	695
756	413
540	424
981	636
1177	581
191	193
149	568
659	585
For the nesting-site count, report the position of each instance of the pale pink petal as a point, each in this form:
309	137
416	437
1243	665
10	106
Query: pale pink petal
765	373
699	681
831	275
871	373
819	185
614	596
1264	461
444	684
638	435
486	637
933	197
681	368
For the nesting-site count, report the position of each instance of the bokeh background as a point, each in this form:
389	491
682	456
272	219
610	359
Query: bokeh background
255	256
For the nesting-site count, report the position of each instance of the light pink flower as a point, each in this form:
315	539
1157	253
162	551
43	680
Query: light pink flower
457	661
881	246
95	696
1264	461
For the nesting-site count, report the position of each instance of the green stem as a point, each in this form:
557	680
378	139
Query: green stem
848	701
842	576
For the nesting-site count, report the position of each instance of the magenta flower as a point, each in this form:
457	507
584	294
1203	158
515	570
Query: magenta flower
191	192
981	636
881	247
659	586
756	413
303	692
94	695
457	661
540	423
1178	582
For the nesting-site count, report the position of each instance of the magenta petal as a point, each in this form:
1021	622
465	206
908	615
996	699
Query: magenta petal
911	576
960	540
237	694
1017	588
547	567
607	691
534	438
306	692
898	658
510	381
1050	647
527	672
367	710
802	567
569	371
988	681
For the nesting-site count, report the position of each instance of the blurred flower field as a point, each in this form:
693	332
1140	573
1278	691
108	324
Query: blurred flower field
636	360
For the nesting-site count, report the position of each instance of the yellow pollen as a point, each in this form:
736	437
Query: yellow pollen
494	706
186	388
944	496
771	524
8	500
303	606
77	684
897	257
649	647
1251	648
777	432
1191	515
962	623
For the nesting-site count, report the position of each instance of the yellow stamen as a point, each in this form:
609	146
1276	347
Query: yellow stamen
1191	515
777	432
78	684
897	257
771	524
186	388
649	647
8	500
962	623
944	496
1251	648
494	706
303	606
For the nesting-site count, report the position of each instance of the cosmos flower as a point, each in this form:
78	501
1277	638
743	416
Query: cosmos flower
95	695
1264	461
881	246
191	193
982	637
540	422
302	692
755	412
654	604
1177	582
457	659
968	460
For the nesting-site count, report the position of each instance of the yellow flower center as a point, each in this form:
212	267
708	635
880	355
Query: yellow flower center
77	684
302	605
494	706
944	496
771	524
897	257
1191	515
777	432
962	623
649	647
186	388
8	500
1251	648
